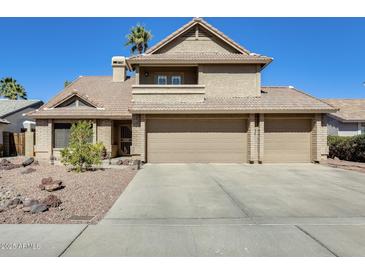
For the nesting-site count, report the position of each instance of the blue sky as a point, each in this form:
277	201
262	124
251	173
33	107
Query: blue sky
322	56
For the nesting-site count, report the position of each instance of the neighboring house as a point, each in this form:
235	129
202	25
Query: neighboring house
349	120
13	112
196	97
3	124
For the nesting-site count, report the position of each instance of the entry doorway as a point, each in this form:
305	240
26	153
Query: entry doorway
125	133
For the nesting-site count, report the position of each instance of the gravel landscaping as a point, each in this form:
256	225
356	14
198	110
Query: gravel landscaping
337	163
85	197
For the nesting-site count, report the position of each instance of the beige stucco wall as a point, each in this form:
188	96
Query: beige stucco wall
230	80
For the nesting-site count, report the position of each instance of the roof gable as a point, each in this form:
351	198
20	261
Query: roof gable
197	36
72	97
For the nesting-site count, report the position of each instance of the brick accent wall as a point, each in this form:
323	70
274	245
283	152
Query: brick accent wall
261	140
43	142
138	148
252	139
319	138
104	133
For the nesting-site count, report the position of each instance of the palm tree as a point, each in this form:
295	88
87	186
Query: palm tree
138	38
9	88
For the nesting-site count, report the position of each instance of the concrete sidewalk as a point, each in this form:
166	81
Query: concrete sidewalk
37	240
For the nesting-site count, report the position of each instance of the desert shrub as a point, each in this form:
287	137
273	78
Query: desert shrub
81	154
347	148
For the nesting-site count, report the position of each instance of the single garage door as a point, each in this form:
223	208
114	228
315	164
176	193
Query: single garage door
287	141
196	141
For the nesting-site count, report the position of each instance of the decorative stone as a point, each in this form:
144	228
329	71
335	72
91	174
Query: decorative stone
26	208
38	208
52	201
28	161
29	202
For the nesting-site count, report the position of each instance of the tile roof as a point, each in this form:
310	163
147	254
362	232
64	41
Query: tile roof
114	100
111	99
350	110
272	99
8	107
199	57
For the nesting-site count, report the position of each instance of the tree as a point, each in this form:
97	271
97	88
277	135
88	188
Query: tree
138	38
10	89
81	154
67	83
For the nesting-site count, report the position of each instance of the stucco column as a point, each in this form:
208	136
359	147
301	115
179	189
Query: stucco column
138	148
261	137
50	138
319	138
252	141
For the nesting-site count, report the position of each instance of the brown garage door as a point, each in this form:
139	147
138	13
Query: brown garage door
287	141
196	141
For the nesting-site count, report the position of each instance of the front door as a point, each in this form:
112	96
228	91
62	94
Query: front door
125	139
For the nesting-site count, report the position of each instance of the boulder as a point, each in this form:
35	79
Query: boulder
28	202
47	180
52	201
7	165
26	208
55	185
28	161
28	170
38	208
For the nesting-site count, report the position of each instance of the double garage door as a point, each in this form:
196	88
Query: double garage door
197	141
225	140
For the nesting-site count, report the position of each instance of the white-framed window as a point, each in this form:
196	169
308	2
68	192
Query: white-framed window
161	79
176	80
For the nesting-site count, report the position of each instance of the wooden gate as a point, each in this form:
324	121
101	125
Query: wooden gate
14	143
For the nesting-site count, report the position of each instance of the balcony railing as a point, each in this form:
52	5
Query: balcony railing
168	93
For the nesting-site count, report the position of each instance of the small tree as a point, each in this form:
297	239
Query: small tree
81	154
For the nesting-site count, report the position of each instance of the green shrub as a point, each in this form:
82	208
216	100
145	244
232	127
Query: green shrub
347	148
81	154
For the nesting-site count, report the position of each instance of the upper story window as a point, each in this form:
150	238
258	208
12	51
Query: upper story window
162	80
176	80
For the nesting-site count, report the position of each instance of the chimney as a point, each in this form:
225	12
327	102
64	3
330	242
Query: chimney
119	68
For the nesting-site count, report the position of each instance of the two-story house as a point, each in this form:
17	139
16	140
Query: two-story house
196	97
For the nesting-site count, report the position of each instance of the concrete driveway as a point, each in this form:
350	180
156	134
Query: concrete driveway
233	210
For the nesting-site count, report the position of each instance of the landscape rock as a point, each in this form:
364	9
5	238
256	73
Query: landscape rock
52	201
29	202
47	180
38	208
7	165
55	185
19	206
28	170
26	208
28	161
126	162
16	201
